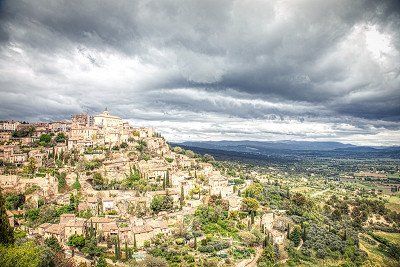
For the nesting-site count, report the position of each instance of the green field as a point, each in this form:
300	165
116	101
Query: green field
393	203
392	237
375	256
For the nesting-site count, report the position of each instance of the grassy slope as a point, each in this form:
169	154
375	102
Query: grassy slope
394	203
375	256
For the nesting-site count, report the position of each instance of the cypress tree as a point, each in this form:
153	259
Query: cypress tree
164	184
288	231
182	198
295	236
134	242
119	247
127	256
266	240
195	242
252	215
6	231
116	250
304	234
167	184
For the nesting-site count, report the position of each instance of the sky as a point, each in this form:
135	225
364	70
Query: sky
313	70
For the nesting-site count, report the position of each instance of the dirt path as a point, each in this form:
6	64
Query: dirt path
300	245
251	262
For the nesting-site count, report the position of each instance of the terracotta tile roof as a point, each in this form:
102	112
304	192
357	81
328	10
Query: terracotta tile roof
78	222
110	227
91	200
55	229
99	220
142	229
44	225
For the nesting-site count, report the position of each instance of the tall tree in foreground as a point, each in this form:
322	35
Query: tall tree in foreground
295	235
6	231
250	205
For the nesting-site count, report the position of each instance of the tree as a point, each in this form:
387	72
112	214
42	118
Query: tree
30	168
250	205
167	183
45	139
60	138
77	241
142	145
98	179
6	231
255	190
295	236
73	202
101	262
77	184
161	203
25	255
182	198
304	234
53	244
62	182
91	249
267	258
134	242
151	261
117	249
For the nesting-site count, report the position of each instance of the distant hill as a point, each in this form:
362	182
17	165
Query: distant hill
292	149
281	145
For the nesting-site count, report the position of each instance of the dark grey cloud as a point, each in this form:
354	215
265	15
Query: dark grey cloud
323	68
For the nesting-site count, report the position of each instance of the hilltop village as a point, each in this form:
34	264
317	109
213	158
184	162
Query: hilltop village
98	191
98	174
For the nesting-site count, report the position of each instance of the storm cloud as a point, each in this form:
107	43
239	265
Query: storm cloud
208	70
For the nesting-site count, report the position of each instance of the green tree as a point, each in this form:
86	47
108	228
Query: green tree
182	198
60	138
267	258
151	261
142	145
134	242
53	244
117	248
295	235
255	190
98	179
91	249
101	262
6	231
77	241
62	182
77	184
25	255
45	139
161	203
31	167
250	205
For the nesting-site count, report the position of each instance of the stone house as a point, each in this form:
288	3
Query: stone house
108	204
75	226
55	230
142	234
